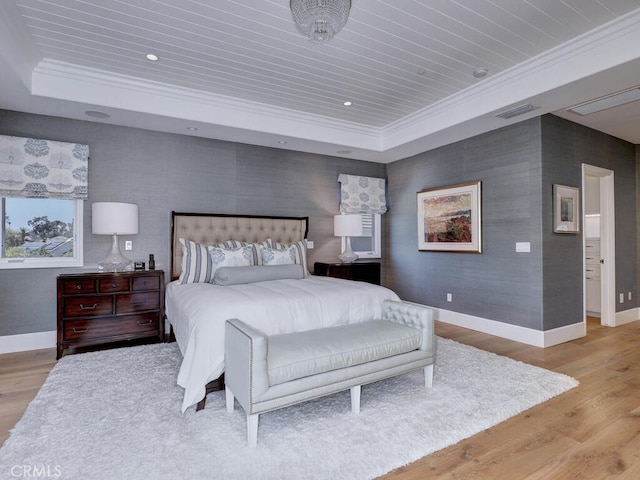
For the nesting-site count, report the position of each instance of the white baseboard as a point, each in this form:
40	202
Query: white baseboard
529	336
27	341
627	316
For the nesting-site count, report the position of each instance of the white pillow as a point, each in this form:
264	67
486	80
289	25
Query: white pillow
273	256
300	249
230	257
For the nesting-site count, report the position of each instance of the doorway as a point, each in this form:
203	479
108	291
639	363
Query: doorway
598	200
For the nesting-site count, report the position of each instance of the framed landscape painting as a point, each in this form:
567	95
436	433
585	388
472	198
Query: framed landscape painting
449	218
566	209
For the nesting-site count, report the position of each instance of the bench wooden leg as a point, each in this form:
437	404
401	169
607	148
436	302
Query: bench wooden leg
252	429
355	399
229	399
428	376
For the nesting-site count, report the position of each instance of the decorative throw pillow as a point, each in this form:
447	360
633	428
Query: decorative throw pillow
256	273
257	256
197	266
273	256
300	252
230	257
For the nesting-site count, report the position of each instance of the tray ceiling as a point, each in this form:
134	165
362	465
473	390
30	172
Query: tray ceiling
240	71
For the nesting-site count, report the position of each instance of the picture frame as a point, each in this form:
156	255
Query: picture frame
450	218
566	209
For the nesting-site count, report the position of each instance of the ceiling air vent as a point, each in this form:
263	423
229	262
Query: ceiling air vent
613	100
519	110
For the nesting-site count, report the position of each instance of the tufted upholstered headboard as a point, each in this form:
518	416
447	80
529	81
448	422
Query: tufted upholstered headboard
212	228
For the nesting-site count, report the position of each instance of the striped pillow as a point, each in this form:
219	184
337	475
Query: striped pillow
197	266
300	249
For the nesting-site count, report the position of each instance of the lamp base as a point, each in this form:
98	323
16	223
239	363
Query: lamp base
115	261
348	256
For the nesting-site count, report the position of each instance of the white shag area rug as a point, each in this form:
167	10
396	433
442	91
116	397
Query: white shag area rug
115	414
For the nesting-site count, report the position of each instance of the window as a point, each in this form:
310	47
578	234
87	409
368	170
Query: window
368	245
41	232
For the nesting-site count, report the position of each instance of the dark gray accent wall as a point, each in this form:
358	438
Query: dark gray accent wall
164	172
499	283
518	166
566	146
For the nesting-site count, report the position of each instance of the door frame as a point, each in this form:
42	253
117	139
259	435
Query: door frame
607	244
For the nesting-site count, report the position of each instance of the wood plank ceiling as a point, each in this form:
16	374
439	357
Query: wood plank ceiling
392	59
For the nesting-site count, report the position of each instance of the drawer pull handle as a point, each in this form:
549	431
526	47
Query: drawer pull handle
114	285
80	330
88	307
78	287
137	304
145	323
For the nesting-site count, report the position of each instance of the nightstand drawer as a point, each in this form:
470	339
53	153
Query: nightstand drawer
111	285
109	327
88	306
79	286
137	302
145	283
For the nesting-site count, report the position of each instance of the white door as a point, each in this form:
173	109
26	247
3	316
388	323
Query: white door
607	241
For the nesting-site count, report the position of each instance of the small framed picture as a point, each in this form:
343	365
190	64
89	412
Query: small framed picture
449	219
566	209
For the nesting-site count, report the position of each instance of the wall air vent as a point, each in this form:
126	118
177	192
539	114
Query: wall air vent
610	101
519	110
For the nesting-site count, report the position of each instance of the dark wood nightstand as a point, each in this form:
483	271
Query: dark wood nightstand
364	272
98	308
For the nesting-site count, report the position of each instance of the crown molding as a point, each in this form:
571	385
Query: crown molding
65	81
603	48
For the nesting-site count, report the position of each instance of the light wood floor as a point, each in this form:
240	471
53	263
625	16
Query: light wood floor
590	432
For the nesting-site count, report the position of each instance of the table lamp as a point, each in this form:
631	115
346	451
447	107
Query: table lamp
114	218
347	226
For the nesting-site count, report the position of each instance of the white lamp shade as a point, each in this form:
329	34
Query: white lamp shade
108	218
347	225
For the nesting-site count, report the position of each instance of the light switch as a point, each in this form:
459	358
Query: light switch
523	247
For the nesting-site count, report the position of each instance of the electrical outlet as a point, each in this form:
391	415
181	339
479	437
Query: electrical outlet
622	298
310	244
128	245
449	297
629	296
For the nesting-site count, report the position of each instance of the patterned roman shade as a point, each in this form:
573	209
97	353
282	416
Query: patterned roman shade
362	194
34	168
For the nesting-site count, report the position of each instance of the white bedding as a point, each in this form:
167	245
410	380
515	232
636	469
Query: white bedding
198	312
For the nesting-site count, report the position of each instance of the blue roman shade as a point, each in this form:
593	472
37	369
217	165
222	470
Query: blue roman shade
35	168
362	194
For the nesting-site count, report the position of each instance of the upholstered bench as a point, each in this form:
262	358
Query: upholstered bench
266	373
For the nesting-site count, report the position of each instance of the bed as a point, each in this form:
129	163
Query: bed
287	299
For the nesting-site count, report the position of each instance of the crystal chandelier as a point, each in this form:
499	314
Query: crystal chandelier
320	20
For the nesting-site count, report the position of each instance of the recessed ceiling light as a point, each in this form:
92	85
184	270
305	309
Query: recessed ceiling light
480	72
96	114
347	103
282	142
152	57
192	129
421	72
